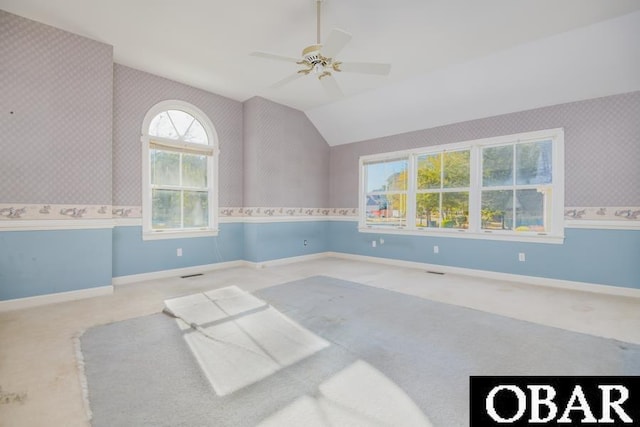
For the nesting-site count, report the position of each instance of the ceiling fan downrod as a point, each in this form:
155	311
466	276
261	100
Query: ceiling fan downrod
318	7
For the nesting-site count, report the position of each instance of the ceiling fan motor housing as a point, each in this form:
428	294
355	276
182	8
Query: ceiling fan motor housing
317	63
311	54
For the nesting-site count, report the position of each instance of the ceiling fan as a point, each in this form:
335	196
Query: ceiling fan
319	59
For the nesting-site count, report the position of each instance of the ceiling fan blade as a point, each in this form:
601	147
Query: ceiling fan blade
274	56
286	80
331	86
336	41
365	68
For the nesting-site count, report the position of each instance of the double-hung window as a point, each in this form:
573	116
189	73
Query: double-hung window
517	187
442	189
386	192
179	179
508	187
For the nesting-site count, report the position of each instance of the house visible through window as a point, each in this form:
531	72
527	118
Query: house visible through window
497	188
179	154
386	195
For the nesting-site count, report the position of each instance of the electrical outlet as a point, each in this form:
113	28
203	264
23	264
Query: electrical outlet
179	252
373	243
305	242
521	257
381	241
436	250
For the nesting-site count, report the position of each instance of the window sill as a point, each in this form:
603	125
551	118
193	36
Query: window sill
464	234
178	234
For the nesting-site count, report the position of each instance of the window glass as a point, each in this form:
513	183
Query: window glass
196	208
387	210
436	205
166	209
456	169
534	163
497	210
428	210
455	210
165	167
387	176
530	210
497	166
429	171
196	134
180	120
194	170
161	126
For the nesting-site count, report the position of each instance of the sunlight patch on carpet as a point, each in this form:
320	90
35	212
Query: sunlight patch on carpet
238	339
357	395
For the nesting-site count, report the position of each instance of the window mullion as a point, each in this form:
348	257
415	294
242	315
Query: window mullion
440	196
174	125
362	193
514	200
147	197
181	191
411	192
475	176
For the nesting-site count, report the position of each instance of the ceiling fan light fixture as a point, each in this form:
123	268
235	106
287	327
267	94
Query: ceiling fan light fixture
323	66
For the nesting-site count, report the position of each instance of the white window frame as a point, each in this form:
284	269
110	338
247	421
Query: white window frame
148	233
555	234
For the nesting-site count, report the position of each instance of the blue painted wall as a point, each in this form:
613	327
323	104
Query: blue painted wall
132	255
608	257
269	241
45	262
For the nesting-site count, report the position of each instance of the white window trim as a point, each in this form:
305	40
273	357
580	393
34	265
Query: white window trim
556	235
212	170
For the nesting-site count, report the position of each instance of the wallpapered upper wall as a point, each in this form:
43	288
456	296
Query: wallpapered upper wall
135	92
602	148
286	160
56	99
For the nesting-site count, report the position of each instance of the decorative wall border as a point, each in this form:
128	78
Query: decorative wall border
126	211
285	212
19	211
607	218
17	216
625	213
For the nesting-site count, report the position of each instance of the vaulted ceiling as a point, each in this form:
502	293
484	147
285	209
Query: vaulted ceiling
451	60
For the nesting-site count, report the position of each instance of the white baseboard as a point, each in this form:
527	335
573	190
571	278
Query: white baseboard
176	272
28	302
21	303
289	260
530	280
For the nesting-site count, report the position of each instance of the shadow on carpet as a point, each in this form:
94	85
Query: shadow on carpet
391	359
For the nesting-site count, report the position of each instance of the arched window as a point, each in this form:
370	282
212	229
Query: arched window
180	153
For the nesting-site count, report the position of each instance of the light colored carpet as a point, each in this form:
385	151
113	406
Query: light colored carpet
238	339
366	356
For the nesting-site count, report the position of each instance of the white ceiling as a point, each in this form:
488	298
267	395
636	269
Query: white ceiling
206	43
